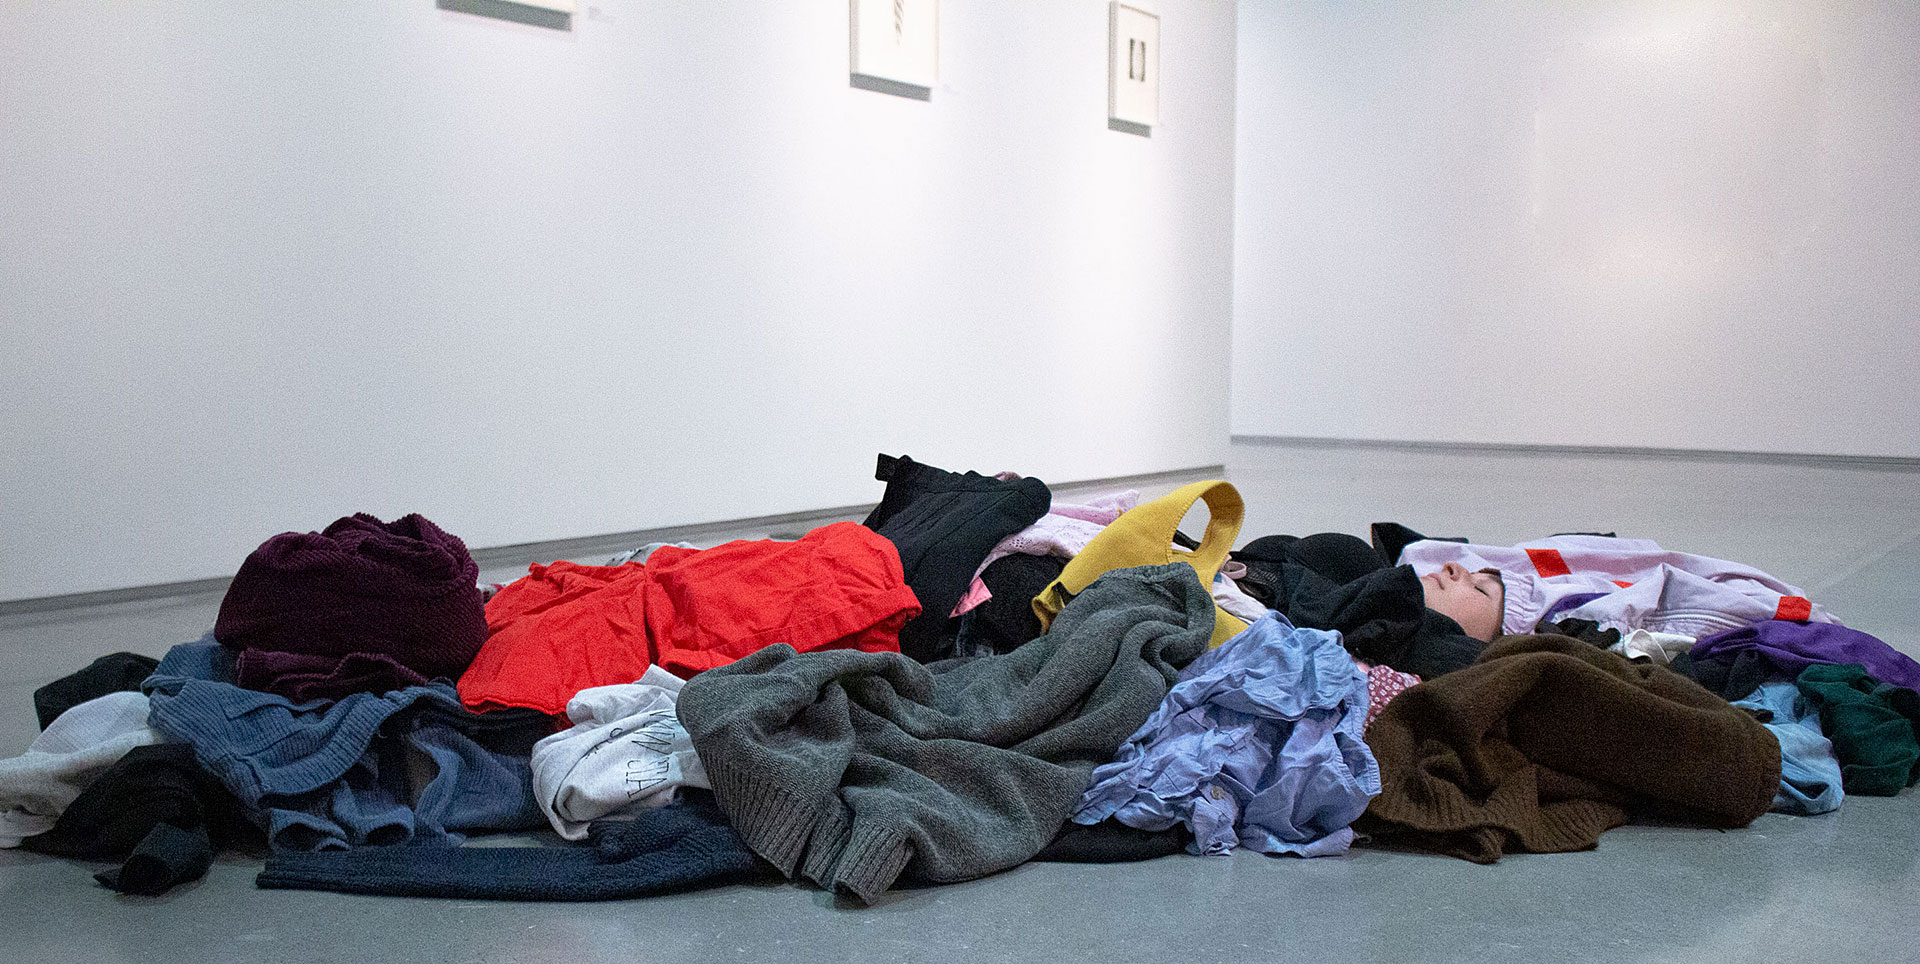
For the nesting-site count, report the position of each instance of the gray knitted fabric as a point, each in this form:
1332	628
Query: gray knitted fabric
850	768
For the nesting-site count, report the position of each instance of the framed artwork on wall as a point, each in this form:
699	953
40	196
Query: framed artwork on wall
1133	65
896	42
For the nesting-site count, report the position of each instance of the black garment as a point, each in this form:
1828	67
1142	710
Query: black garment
115	673
1733	678
1337	582
1584	630
680	847
1391	537
1113	842
1327	559
167	856
944	524
508	732
157	808
1006	621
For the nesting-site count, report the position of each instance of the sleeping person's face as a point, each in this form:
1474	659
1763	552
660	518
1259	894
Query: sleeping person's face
1475	600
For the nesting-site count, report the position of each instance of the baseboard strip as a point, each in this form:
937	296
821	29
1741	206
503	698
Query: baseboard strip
519	555
1876	463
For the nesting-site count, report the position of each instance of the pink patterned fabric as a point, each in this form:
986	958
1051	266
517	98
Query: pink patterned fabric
1383	684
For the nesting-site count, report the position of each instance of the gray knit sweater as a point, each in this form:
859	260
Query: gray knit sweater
849	768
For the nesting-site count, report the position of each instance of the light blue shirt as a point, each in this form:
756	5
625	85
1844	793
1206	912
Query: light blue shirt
1257	746
1809	770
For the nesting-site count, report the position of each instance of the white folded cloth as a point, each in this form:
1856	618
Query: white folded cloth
625	752
37	786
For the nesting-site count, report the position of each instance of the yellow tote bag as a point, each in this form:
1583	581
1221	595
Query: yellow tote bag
1143	536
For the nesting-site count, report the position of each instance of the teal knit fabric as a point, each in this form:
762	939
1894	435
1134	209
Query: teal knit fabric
1875	726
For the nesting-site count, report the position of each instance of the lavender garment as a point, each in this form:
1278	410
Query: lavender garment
1793	646
1622	584
362	607
1259	745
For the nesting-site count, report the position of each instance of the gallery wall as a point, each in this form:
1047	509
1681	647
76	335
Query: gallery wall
262	265
1664	224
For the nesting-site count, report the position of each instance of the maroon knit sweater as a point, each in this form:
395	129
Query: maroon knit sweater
364	606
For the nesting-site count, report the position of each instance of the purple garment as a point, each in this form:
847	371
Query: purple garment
1793	646
1565	603
363	607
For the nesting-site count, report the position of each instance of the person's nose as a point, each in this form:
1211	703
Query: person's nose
1453	572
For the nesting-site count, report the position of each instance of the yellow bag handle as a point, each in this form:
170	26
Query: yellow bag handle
1143	536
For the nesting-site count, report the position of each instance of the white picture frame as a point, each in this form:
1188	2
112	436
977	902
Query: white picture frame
896	41
1133	64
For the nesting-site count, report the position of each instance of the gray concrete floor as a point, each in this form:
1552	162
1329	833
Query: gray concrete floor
1841	886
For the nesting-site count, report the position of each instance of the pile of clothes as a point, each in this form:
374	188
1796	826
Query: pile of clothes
974	677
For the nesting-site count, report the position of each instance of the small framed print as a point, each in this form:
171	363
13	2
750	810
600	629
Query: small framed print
1133	64
897	41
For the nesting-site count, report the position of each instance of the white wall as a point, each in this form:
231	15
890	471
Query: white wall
1662	224
265	264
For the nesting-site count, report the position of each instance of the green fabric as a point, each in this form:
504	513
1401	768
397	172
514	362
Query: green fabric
1874	726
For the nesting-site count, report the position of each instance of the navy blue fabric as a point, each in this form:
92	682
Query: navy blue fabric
679	847
168	855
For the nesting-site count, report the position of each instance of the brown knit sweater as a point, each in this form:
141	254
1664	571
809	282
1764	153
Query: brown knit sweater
1543	742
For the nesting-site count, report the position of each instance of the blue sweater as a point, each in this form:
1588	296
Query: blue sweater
330	775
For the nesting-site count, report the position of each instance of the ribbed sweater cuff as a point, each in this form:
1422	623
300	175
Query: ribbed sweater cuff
1571	825
830	834
815	840
871	861
1437	807
774	822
